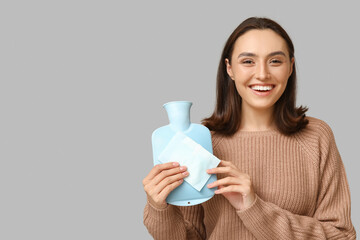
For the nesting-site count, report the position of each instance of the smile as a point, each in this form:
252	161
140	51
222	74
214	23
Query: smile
262	90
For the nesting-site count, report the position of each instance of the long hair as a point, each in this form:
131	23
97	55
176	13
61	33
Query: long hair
227	114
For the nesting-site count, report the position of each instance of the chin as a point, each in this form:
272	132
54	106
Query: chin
264	106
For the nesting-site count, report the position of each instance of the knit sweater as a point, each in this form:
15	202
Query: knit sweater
300	184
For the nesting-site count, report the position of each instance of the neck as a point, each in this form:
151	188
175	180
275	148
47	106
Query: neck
257	119
179	114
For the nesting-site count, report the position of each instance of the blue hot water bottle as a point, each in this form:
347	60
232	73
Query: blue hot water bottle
190	145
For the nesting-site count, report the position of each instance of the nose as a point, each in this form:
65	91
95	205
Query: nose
262	72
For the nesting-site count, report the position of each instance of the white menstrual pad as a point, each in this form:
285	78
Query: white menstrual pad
187	152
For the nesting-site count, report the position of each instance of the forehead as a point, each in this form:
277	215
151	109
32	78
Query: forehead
260	42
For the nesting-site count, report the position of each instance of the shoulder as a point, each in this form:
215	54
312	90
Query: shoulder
316	138
316	129
319	126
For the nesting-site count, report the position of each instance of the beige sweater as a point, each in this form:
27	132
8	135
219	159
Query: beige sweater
300	182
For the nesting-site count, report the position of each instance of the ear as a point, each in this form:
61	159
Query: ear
228	69
292	65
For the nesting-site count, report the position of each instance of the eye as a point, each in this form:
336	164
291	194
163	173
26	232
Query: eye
247	61
276	61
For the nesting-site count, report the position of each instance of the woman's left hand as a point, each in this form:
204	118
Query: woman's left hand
236	186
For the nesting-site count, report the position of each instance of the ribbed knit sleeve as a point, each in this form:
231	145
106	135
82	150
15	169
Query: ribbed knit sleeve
176	223
331	219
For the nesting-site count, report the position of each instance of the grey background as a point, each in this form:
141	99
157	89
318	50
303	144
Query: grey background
82	88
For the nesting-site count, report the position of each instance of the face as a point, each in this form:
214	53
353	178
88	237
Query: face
260	66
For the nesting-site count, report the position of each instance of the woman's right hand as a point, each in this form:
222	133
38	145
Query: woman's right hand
162	179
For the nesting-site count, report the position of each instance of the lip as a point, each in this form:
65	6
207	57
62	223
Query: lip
263	94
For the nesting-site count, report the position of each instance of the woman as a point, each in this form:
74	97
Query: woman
281	175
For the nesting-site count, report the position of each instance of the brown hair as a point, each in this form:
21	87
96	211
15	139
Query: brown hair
227	114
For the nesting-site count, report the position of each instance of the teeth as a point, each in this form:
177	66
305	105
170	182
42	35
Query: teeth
262	88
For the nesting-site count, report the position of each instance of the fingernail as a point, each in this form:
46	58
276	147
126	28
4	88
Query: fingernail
185	173
209	185
182	168
175	164
208	171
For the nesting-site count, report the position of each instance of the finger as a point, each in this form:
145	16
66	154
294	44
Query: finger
159	199
159	168
168	189
153	189
229	170
167	173
224	163
169	180
231	189
226	181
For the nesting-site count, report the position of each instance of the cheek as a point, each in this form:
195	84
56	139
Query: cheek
242	74
241	87
245	71
281	75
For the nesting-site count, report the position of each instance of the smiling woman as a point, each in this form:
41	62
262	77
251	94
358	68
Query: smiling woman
281	175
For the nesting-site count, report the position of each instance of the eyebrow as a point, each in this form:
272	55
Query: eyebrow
249	54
